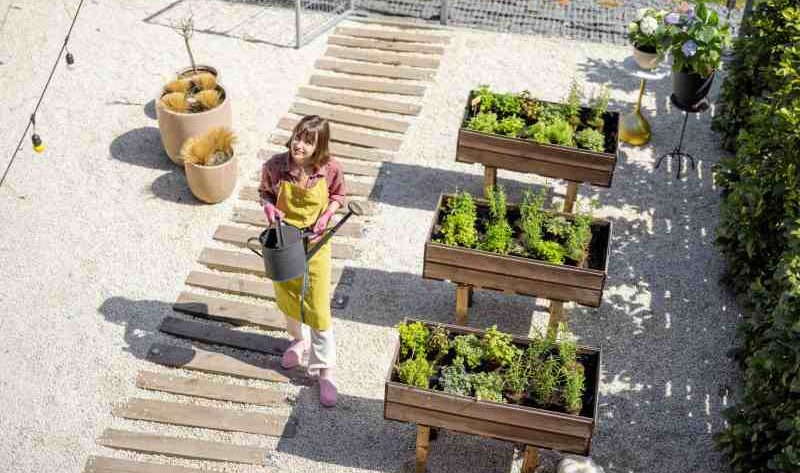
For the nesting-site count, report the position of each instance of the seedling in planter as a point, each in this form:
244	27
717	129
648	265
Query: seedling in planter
507	104
590	139
529	105
458	226
510	126
483	100
498	233
456	380
185	28
579	236
497	347
468	350
517	377
572	104
413	339
598	107
438	344
574	381
485	122
555	130
416	371
488	386
544	379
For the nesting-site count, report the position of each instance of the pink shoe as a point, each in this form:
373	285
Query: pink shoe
292	356
327	388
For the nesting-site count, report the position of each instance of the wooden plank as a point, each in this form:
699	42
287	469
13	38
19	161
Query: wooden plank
239	236
97	464
392	35
232	284
375	70
342	150
389	21
237	262
367	85
348	135
382	57
215	335
355	168
182	447
208	389
238	313
338	97
350	118
197	359
354	188
385	45
206	417
462	304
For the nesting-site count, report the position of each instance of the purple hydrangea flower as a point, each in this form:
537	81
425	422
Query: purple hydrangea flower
673	18
689	48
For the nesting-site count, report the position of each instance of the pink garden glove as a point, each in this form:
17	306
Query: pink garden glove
322	225
272	213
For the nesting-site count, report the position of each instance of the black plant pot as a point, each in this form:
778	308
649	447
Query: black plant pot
690	88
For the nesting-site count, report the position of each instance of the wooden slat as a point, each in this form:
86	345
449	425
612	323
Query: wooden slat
256	216
348	135
355	168
421	48
359	101
392	35
237	262
382	57
96	464
239	236
367	85
212	334
197	359
375	70
350	118
182	447
233	284
342	150
208	389
234	312
206	417
386	21
354	188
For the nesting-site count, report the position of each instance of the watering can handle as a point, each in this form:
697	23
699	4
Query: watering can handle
279	227
253	249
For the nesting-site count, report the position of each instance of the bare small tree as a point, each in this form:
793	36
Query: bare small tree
185	28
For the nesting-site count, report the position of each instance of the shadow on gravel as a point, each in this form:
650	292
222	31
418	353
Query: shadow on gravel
140	318
150	109
141	147
173	187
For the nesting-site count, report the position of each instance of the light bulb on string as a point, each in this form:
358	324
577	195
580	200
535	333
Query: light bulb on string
36	140
70	60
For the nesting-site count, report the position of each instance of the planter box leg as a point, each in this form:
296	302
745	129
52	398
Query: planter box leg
531	461
572	195
489	179
423	445
470	300
462	303
556	316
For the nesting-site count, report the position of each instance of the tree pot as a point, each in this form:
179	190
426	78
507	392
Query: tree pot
646	58
690	88
177	127
188	71
212	184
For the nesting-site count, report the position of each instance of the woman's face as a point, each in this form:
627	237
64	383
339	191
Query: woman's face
303	147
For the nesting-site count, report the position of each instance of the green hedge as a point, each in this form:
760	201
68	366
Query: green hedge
759	234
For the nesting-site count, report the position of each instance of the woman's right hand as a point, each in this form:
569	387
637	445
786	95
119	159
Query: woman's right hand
272	213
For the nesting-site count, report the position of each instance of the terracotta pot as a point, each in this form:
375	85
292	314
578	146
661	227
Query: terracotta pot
188	71
177	127
647	58
690	88
213	184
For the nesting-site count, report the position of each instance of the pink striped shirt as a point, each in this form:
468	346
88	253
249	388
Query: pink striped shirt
281	167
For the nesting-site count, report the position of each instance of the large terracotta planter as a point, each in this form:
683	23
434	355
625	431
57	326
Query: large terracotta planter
690	88
646	59
212	184
177	127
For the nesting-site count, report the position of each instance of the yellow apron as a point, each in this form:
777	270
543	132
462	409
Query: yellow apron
301	208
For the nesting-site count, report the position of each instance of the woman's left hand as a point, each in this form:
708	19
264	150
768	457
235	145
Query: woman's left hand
321	225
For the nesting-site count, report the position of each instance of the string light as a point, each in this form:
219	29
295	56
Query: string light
38	146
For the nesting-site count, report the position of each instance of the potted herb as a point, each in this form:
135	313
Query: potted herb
536	391
519	132
211	165
697	38
647	34
525	249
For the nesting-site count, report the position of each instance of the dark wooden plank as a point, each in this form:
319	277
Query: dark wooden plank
349	135
385	45
350	118
215	335
96	464
392	21
206	389
182	447
233	284
367	85
375	70
238	262
382	57
343	150
392	35
239	236
238	313
338	97
197	359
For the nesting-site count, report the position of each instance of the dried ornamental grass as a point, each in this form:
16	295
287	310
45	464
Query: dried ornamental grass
208	99
204	81
209	149
175	101
178	85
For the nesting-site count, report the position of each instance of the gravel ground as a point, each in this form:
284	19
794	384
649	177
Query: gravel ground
98	234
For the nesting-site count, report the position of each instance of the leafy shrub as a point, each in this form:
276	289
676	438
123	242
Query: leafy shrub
498	231
485	122
544	380
550	251
487	386
590	139
456	380
483	98
458	225
498	348
413	339
572	104
555	131
529	106
598	107
510	126
507	104
516	379
468	350
415	371
438	343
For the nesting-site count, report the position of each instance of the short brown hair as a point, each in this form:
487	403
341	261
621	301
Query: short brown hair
317	127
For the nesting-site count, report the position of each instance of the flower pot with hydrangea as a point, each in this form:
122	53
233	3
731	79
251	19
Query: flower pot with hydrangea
698	36
647	35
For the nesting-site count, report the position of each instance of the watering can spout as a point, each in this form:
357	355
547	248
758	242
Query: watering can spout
353	208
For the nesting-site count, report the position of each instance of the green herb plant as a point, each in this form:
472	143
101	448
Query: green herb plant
438	345
497	237
416	371
458	225
485	122
498	348
456	380
590	139
413	339
468	351
598	106
488	386
516	378
510	126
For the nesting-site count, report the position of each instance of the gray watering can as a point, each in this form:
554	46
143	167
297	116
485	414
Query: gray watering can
283	247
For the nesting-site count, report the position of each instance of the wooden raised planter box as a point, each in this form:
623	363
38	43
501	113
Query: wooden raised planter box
510	422
527	276
521	155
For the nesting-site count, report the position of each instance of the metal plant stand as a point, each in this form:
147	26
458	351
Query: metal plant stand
678	152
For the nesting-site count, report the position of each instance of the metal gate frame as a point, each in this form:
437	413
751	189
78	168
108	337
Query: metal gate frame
302	39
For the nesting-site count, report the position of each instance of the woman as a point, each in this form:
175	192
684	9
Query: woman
304	187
